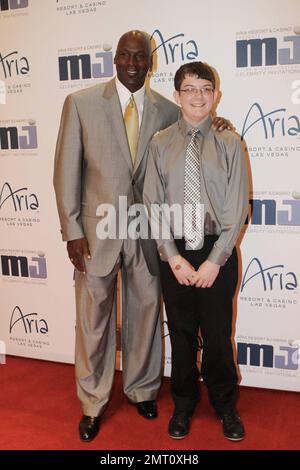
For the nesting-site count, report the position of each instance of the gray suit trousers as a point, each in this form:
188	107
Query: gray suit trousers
95	351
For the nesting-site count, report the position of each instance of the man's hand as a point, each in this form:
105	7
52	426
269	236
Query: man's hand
181	269
220	124
78	250
206	275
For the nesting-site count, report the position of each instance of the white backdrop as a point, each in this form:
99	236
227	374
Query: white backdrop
255	48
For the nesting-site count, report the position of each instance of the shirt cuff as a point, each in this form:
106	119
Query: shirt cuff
218	256
69	234
167	250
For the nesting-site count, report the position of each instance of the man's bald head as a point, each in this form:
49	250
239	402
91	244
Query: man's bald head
133	59
137	35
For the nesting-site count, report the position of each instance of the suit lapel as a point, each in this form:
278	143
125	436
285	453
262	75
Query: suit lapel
115	116
147	127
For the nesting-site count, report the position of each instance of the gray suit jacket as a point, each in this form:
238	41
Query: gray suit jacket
93	166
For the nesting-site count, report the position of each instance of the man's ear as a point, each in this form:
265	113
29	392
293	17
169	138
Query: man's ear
216	95
151	63
176	96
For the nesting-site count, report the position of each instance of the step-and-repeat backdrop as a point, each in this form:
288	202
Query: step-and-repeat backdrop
51	48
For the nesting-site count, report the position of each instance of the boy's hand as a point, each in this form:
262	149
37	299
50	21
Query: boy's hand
181	269
206	275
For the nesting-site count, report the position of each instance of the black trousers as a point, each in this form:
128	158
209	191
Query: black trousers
210	309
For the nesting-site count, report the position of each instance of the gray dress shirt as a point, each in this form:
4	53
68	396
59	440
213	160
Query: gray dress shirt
224	185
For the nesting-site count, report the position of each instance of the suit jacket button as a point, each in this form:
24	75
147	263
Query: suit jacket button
133	182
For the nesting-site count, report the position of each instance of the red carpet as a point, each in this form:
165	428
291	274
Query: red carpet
39	410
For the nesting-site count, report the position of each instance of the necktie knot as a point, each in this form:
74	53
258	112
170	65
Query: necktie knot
194	132
131	102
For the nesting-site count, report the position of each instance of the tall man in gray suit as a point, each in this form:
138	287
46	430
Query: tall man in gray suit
95	164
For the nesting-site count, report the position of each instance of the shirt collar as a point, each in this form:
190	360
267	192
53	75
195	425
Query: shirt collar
203	127
125	94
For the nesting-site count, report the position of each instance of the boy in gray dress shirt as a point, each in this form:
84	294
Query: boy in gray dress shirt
201	175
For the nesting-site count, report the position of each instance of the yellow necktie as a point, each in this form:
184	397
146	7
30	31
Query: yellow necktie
131	119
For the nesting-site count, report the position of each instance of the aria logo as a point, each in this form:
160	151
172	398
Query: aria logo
275	277
28	323
175	48
18	199
272	123
13	4
86	66
13	64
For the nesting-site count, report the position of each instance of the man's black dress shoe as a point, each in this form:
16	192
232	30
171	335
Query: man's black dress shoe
147	409
233	428
89	427
179	426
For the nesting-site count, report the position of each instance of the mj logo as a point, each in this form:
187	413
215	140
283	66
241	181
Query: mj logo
273	54
13	4
83	66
